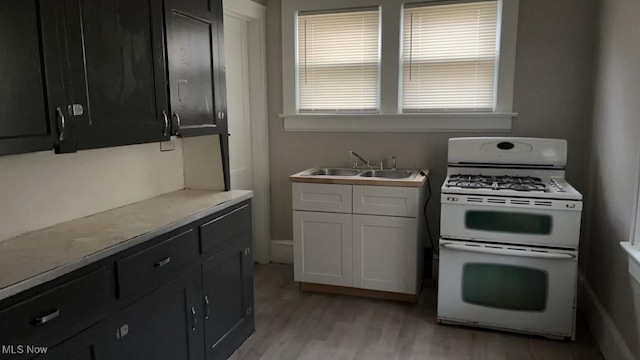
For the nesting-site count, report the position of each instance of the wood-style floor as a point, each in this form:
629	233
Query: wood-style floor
291	324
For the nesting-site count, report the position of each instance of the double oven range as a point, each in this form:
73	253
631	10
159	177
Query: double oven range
510	227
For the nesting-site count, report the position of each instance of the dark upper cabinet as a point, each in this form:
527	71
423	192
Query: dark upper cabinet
228	298
196	71
28	64
166	324
118	74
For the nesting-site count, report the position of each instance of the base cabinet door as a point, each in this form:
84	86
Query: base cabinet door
165	324
322	248
87	345
228	299
385	256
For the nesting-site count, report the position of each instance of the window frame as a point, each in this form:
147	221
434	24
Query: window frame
632	246
391	117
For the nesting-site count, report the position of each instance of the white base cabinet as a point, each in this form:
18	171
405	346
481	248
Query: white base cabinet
385	253
378	245
323	247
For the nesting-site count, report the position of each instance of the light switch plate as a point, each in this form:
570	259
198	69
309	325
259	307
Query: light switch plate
168	145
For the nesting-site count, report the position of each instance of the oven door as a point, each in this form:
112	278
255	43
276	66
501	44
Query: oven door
557	225
505	287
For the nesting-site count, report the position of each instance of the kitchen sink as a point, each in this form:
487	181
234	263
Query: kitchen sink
334	172
390	174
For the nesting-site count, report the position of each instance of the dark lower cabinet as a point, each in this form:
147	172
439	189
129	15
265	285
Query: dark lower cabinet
228	299
165	324
177	301
87	345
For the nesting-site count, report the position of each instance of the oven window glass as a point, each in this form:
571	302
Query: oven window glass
516	223
505	286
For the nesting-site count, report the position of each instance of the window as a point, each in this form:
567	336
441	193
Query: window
398	65
338	62
449	57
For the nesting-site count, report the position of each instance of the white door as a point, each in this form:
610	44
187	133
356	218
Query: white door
236	32
385	253
322	248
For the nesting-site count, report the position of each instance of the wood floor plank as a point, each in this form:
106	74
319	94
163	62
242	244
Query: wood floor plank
293	324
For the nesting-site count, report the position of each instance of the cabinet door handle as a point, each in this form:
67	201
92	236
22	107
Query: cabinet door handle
62	123
206	309
162	262
166	122
177	122
47	318
194	318
220	115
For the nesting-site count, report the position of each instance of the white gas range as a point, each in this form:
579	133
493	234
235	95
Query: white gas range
510	227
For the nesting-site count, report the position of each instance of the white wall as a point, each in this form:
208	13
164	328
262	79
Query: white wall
41	189
614	306
553	95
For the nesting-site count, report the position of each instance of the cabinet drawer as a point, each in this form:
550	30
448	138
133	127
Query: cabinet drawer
386	200
154	266
322	197
57	314
225	229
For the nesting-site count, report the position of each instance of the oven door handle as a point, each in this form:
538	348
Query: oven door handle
508	252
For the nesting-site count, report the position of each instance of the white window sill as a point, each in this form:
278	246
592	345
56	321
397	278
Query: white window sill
456	122
634	260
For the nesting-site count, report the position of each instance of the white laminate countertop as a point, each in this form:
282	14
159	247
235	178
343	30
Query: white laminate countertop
34	258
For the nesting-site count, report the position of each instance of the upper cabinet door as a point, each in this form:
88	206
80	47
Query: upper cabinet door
28	114
116	50
196	74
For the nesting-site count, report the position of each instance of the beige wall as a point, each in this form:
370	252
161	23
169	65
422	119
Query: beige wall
553	94
614	154
41	189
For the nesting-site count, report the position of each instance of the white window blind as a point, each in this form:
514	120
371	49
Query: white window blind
449	57
338	62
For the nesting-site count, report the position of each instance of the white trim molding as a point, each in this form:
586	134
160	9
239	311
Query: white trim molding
282	251
603	329
634	260
390	117
255	15
477	122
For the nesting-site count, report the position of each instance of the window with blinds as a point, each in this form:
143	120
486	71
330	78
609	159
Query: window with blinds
449	57
338	62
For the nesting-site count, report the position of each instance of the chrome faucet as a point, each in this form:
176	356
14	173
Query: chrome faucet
357	156
393	163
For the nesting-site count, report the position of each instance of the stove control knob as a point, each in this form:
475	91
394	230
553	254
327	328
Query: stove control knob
451	198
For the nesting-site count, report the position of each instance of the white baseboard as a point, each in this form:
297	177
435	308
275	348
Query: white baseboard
281	251
605	333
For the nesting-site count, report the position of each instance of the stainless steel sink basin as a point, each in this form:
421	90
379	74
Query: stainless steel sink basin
334	172
390	174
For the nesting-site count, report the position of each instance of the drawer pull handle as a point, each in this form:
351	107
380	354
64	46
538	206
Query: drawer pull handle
47	318
206	310
163	262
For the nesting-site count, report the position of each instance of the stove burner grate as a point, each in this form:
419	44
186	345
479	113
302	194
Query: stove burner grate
504	182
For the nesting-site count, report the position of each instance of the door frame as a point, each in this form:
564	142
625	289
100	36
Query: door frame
255	15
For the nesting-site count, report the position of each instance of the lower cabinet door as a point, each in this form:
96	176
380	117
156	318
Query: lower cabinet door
228	299
322	248
166	324
385	253
87	345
